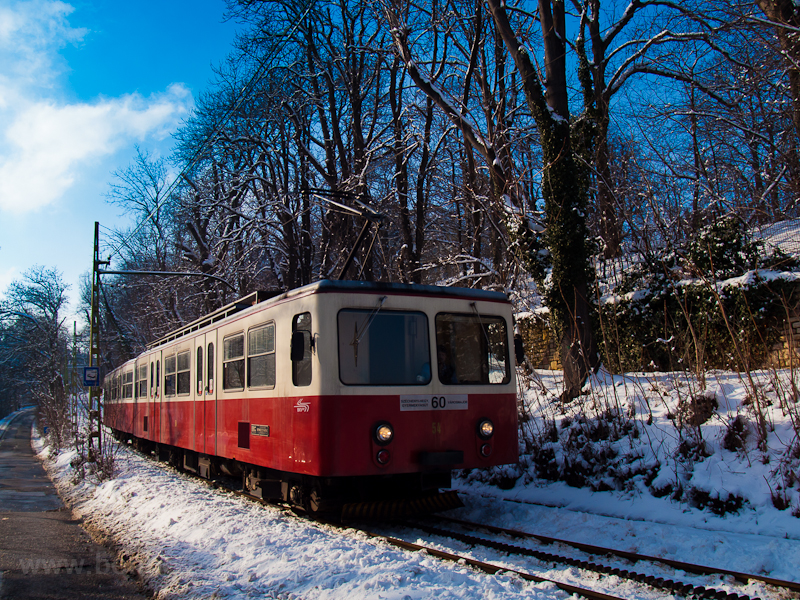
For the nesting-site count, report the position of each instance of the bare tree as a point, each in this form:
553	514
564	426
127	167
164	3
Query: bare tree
465	123
784	17
565	189
721	132
564	181
34	342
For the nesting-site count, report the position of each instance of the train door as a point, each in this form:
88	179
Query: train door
162	406
210	401
137	399
199	393
155	396
147	412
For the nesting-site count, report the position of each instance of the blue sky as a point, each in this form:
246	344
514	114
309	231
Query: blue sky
81	85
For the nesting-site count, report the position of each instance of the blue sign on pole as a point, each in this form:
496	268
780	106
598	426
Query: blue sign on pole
91	376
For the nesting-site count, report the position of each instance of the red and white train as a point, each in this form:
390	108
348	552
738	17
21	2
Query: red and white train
333	393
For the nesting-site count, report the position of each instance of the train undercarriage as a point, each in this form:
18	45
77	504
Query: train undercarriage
382	496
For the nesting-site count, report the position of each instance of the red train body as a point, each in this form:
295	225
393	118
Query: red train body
335	392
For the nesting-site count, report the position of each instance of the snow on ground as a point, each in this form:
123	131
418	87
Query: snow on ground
6	421
658	405
640	526
783	235
186	540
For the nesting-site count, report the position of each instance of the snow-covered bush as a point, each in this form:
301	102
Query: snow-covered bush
697	442
718	303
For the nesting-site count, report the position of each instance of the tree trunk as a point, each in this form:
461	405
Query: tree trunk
564	187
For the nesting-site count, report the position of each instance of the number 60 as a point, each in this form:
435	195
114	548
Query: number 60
438	402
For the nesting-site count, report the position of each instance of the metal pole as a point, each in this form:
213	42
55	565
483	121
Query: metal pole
73	384
354	249
95	411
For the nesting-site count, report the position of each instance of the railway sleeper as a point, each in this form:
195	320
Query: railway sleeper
681	589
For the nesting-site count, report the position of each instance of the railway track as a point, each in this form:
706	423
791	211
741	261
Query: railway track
630	556
434	526
662	585
485	567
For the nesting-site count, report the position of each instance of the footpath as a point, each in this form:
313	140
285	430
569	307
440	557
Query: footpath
44	552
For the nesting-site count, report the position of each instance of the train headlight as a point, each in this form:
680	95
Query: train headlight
384	433
485	429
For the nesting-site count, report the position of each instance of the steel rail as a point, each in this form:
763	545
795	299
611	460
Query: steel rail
668	585
481	565
632	556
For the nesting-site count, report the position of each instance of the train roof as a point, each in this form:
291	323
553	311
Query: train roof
328	285
331	286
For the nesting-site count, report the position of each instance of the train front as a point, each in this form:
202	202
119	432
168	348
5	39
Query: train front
420	381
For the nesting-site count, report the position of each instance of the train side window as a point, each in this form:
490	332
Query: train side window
210	370
472	349
199	370
169	375
184	373
142	387
127	384
301	349
158	375
261	356
152	374
233	362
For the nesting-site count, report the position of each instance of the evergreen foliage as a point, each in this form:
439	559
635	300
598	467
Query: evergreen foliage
715	303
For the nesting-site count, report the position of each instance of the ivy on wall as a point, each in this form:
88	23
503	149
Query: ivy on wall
718	303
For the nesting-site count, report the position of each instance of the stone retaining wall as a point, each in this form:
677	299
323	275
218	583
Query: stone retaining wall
786	353
542	348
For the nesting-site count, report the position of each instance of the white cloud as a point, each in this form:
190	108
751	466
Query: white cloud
47	143
31	33
6	277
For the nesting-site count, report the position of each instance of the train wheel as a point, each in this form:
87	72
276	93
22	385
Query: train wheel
297	497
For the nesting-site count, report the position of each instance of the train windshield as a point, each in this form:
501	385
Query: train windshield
471	349
383	348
